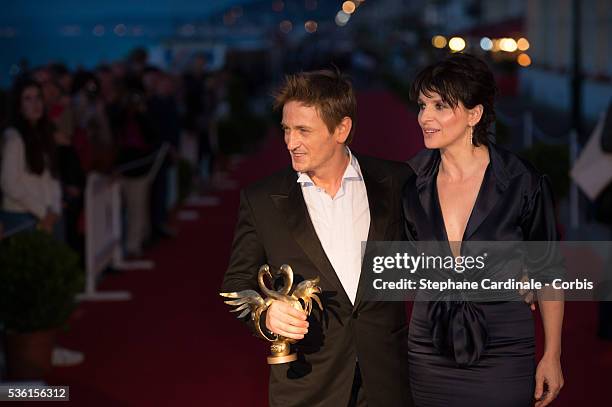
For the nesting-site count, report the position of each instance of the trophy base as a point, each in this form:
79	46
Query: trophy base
281	352
276	360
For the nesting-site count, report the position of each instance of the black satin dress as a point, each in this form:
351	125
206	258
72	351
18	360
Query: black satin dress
470	354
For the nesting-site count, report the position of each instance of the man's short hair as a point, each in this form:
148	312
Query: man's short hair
330	92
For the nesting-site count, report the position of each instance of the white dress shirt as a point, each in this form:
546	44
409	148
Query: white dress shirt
23	191
341	223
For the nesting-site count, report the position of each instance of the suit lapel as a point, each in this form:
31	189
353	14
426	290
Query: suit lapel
378	190
293	206
378	187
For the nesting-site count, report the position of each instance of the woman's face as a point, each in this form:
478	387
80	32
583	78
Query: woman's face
32	104
443	125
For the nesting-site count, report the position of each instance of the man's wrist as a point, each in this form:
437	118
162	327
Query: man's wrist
268	334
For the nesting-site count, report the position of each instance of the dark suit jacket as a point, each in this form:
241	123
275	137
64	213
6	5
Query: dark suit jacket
274	227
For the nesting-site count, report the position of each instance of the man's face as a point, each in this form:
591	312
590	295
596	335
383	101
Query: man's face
308	139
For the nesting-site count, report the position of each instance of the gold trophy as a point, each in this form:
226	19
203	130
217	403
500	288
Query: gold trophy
250	301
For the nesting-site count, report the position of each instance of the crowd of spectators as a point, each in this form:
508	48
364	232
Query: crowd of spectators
58	126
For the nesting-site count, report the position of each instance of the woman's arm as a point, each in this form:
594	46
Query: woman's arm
15	182
552	319
539	225
549	376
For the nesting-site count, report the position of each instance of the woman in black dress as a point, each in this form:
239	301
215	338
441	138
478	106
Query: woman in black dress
466	188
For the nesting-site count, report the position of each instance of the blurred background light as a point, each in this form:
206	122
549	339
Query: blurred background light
523	60
456	44
99	30
311	26
348	7
286	26
278	6
120	30
495	45
508	44
439	41
342	18
522	44
486	44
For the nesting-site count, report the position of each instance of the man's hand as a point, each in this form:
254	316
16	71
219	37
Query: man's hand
282	319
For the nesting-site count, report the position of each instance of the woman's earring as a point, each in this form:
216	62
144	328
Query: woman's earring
471	135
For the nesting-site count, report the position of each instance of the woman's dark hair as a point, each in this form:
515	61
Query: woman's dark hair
39	145
461	78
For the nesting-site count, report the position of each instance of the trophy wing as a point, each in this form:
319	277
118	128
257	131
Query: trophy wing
307	291
247	301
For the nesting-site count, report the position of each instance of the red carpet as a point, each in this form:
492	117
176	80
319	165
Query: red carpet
176	344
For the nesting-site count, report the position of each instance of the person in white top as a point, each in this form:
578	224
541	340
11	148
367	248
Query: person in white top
31	191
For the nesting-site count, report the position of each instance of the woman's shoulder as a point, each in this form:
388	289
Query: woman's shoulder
513	161
11	133
514	167
11	137
422	160
423	165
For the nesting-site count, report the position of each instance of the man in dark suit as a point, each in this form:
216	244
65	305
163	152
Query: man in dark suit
314	217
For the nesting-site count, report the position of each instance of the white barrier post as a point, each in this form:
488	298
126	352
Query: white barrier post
102	235
119	263
103	229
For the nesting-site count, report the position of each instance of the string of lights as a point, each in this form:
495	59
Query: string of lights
515	47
